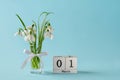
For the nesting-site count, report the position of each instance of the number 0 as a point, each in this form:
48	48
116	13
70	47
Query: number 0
59	63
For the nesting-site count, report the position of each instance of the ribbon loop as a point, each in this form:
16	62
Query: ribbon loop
31	55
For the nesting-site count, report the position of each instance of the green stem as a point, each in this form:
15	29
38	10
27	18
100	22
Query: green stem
41	35
35	62
21	21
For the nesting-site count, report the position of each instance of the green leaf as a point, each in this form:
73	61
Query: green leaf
41	29
46	14
21	21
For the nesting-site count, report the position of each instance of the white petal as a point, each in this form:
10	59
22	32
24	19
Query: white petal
45	34
22	34
16	34
19	33
48	35
51	36
32	38
29	38
26	32
26	38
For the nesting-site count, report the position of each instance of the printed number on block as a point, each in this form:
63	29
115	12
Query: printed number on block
62	64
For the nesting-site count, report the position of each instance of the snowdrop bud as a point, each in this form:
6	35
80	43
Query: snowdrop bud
33	25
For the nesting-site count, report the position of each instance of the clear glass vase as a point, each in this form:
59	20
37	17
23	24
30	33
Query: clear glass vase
36	71
37	65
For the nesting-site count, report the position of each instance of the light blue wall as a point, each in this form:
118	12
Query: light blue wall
88	29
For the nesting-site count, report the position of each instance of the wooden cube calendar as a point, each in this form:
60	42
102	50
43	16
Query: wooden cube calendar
65	64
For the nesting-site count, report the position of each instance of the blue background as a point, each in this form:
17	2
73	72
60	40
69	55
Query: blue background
88	29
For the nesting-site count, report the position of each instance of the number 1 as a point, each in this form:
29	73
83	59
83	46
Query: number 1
71	63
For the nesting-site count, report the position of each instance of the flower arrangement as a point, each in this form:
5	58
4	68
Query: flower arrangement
35	35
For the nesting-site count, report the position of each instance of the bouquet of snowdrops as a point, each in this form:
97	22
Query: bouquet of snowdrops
35	35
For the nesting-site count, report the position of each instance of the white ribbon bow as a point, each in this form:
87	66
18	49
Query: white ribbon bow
31	55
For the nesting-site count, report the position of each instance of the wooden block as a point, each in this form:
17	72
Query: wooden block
58	64
65	64
71	64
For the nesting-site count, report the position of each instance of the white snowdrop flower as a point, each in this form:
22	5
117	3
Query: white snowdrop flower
29	38
48	35
19	33
49	29
26	32
48	32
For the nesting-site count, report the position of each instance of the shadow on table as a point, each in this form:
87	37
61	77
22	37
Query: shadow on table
78	73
